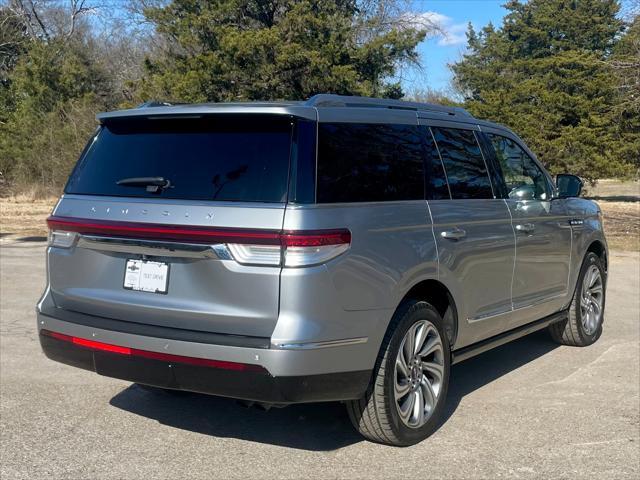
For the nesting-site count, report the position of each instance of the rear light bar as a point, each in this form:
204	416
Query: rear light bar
165	357
247	246
164	232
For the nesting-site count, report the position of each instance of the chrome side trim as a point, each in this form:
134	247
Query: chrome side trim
154	248
491	315
540	302
316	345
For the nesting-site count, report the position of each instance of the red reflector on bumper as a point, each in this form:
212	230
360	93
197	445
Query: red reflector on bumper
165	357
101	346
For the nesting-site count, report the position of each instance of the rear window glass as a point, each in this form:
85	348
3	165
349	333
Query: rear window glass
229	158
463	163
369	163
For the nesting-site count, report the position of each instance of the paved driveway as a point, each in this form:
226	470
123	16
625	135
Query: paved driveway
528	409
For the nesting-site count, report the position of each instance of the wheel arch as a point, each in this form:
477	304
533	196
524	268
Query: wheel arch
440	297
600	250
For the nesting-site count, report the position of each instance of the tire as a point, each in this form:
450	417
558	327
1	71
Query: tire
377	416
580	330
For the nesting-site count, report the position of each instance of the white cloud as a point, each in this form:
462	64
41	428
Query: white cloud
442	27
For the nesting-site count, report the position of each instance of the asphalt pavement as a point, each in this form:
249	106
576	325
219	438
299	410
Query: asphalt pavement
528	409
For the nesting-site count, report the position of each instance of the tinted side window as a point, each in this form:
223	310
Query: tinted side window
437	188
368	163
463	163
521	174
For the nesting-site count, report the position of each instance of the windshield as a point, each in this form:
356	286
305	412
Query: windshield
242	158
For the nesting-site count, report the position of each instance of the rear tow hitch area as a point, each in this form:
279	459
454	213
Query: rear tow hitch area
261	405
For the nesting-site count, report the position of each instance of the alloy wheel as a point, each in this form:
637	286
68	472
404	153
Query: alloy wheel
591	300
419	372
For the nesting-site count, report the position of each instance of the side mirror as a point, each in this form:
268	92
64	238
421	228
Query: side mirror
568	185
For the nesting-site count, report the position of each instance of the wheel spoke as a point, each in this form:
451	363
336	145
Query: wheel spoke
407	407
418	407
596	289
435	369
420	337
431	345
589	321
586	280
401	365
409	344
429	394
402	389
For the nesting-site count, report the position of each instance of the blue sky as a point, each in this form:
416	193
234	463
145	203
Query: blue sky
436	52
453	17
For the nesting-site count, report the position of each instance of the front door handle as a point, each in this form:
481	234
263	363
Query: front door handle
455	234
526	227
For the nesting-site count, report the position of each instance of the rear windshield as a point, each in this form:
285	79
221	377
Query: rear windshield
227	158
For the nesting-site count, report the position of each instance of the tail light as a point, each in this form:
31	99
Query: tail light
301	249
247	247
296	249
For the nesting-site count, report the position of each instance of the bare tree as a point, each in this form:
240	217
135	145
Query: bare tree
47	19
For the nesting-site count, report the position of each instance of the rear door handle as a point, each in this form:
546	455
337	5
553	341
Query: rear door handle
525	227
455	234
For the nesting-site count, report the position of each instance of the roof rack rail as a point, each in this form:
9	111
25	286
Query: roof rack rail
157	103
331	100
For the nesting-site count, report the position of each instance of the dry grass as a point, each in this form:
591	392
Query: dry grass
23	215
620	204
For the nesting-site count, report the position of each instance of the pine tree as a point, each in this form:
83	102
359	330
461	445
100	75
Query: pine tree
544	73
625	62
283	49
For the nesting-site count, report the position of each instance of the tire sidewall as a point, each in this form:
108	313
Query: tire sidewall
416	312
589	260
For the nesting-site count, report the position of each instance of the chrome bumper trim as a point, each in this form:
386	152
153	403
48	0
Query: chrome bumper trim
154	248
316	345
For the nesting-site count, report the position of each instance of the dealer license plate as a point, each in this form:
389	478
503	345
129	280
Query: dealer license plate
146	276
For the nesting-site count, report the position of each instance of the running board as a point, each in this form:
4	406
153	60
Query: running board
480	347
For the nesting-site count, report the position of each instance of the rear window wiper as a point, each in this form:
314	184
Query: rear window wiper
152	184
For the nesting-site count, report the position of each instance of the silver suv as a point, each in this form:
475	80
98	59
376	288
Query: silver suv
339	249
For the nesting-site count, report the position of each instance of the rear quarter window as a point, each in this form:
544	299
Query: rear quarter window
463	163
369	163
236	158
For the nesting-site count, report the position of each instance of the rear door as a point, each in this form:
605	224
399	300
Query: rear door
473	233
541	226
211	225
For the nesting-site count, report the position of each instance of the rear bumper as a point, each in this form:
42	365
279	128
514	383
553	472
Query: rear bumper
275	376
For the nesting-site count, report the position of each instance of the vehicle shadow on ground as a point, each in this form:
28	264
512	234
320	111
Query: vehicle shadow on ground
479	371
314	427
